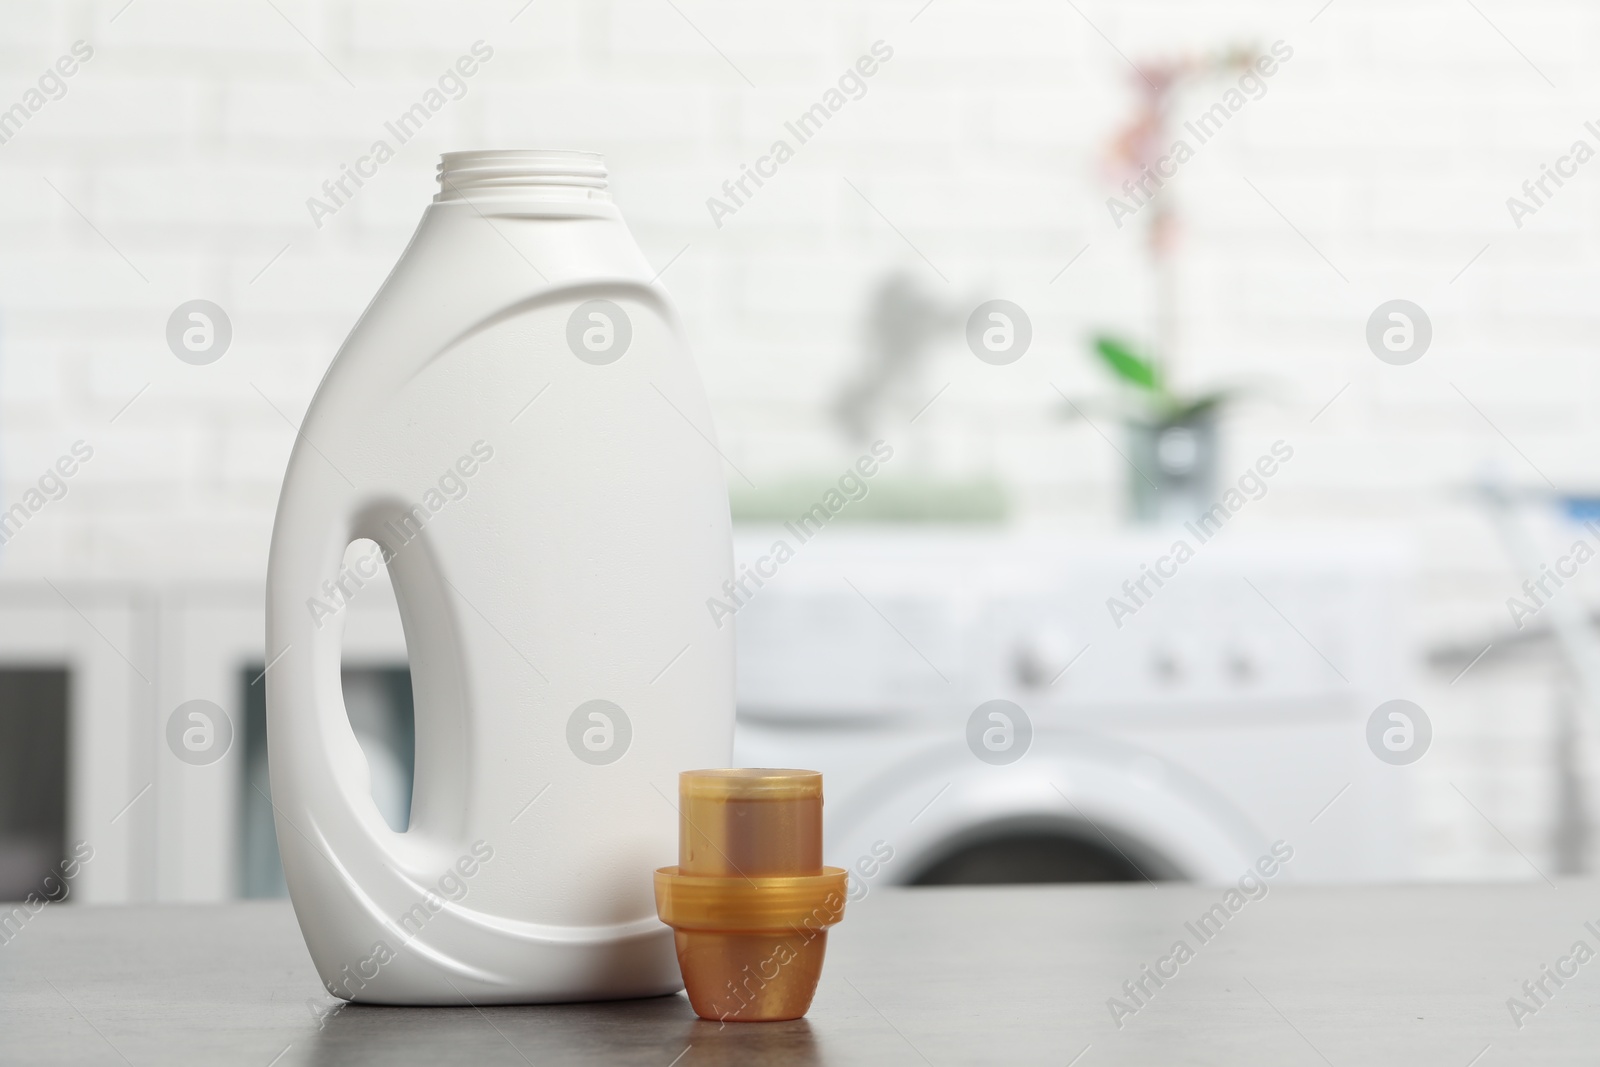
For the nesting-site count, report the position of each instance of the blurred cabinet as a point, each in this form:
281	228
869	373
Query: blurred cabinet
90	680
77	709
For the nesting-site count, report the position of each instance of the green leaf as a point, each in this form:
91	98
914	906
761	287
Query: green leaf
1131	368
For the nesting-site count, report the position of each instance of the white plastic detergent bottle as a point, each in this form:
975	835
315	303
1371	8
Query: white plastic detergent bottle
517	423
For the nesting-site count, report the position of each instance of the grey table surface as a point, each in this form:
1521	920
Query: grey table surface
1416	975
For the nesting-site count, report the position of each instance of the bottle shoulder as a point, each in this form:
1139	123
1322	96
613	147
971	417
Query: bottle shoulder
466	268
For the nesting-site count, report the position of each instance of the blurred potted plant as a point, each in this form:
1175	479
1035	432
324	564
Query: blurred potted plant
1172	438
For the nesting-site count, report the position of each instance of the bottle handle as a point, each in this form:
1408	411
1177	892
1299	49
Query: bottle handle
327	820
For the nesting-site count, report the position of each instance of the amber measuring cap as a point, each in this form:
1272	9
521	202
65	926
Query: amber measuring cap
750	902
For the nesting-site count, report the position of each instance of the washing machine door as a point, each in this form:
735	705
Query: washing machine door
935	814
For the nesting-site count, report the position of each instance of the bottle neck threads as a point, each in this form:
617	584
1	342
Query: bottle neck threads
524	175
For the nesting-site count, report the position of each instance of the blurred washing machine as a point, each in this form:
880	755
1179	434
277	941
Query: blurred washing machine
1167	728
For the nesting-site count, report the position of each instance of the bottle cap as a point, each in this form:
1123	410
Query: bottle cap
750	902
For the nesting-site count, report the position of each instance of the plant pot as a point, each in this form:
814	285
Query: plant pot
1174	469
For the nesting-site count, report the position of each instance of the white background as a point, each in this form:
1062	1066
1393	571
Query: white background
1377	165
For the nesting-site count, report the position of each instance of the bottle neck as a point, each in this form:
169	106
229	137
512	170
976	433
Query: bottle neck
554	182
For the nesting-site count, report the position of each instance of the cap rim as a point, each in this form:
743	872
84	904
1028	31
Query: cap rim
750	783
743	905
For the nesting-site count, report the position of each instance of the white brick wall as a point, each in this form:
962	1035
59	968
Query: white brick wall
1391	140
